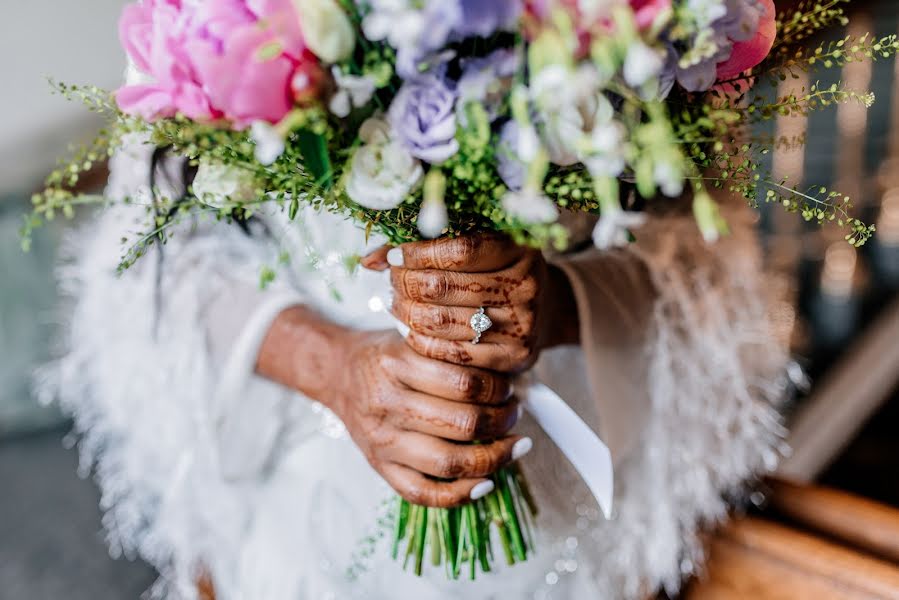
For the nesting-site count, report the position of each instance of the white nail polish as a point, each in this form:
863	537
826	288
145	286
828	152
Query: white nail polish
481	490
395	257
511	391
522	447
403	329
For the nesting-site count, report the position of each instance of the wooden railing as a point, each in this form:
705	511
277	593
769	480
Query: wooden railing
810	543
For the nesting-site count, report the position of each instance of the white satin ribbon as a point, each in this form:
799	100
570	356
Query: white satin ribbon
577	441
588	454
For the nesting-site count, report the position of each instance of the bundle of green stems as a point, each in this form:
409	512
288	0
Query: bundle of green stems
461	538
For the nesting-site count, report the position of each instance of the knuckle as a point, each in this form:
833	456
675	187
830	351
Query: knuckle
470	385
413	493
449	466
468	423
433	319
446	497
488	424
380	404
421	344
434	286
483	462
400	307
469	246
498	386
416	315
386	363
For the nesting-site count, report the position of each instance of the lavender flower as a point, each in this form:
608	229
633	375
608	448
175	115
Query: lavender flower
510	165
417	29
742	19
485	17
488	80
731	21
701	75
424	118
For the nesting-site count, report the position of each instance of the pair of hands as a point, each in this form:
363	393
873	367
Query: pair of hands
414	405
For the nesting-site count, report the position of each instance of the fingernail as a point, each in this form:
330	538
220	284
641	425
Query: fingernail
522	447
511	391
403	329
520	412
481	490
395	257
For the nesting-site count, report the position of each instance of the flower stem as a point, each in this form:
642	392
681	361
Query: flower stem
463	534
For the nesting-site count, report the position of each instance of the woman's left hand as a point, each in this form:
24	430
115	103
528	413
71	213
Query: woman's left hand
438	286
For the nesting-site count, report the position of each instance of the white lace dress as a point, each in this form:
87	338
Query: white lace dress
206	468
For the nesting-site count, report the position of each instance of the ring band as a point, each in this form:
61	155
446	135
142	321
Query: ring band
480	323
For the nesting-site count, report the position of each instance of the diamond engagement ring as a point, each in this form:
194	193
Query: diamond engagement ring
480	322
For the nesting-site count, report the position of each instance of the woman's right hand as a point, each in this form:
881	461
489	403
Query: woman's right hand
414	418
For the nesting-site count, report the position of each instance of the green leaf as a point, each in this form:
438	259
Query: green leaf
315	157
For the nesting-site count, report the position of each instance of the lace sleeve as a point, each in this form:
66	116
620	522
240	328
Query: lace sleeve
156	369
688	370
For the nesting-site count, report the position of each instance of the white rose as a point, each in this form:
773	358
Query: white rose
382	172
217	184
566	101
326	29
641	64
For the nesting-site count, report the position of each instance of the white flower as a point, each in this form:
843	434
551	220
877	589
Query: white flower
353	91
432	219
642	64
669	178
613	228
326	29
517	147
603	154
575	118
382	172
269	143
397	21
216	183
562	99
529	205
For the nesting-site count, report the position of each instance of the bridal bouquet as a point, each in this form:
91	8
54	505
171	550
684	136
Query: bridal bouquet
427	118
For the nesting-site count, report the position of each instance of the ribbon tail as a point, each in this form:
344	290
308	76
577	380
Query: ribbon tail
581	446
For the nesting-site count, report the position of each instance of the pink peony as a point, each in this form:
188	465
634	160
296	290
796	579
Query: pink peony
228	59
746	55
647	11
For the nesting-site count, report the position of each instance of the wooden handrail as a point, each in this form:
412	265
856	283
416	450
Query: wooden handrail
762	560
861	523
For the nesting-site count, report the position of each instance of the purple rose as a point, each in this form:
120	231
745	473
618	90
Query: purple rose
483	18
424	118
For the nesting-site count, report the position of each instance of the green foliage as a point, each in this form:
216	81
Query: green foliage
706	138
